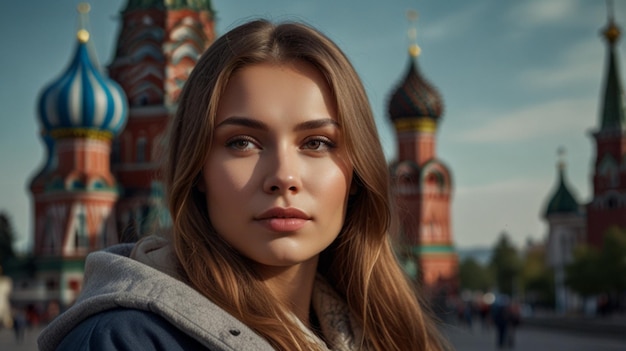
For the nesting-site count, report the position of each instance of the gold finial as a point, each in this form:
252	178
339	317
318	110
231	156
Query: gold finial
414	49
83	11
82	35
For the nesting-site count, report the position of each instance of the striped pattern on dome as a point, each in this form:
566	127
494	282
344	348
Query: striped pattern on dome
415	97
83	99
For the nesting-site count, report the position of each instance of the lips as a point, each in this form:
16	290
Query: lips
283	219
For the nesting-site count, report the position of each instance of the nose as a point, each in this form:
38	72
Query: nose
283	173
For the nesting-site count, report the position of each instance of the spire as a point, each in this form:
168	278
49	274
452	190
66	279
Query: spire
612	113
415	104
562	201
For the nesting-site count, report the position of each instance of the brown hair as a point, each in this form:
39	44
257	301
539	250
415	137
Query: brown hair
360	264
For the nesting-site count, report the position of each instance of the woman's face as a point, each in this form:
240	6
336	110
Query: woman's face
277	176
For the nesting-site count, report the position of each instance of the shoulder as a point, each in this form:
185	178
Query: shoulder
127	329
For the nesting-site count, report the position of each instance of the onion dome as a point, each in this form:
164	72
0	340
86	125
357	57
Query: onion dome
415	98
82	102
562	201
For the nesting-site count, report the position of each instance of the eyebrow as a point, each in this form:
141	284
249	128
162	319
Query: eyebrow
255	124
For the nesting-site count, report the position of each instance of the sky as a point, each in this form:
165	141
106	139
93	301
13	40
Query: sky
519	80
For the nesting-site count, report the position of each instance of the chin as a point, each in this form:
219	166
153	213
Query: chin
285	260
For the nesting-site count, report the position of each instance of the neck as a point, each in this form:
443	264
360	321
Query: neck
293	286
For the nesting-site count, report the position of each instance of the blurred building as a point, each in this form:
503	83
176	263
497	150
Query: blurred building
571	223
566	230
422	182
608	205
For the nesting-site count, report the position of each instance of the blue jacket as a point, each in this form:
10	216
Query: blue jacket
127	330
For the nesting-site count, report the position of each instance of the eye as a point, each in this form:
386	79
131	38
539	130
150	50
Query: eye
318	143
241	143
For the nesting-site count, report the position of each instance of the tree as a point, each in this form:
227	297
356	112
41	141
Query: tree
613	260
474	276
6	238
603	271
582	274
537	278
506	265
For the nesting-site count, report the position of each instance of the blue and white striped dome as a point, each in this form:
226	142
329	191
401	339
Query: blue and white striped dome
83	101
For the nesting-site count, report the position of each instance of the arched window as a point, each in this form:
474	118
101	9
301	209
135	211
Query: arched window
77	184
98	184
435	181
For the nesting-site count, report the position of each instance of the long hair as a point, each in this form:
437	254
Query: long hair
360	263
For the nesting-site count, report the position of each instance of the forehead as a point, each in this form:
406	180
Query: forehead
270	85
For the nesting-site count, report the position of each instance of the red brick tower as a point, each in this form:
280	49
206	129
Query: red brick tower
423	184
608	207
158	45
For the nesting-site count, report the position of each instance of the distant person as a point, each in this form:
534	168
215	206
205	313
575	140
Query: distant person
52	311
465	313
483	312
33	316
514	318
279	194
19	325
499	315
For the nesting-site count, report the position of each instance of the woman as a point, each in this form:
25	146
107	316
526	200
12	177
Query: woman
279	195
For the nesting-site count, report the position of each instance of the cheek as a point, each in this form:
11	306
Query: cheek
334	184
227	175
224	182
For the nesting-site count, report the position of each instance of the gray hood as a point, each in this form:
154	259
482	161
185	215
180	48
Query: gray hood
142	277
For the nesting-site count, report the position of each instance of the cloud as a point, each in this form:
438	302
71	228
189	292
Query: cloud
556	117
482	212
456	23
538	13
580	64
